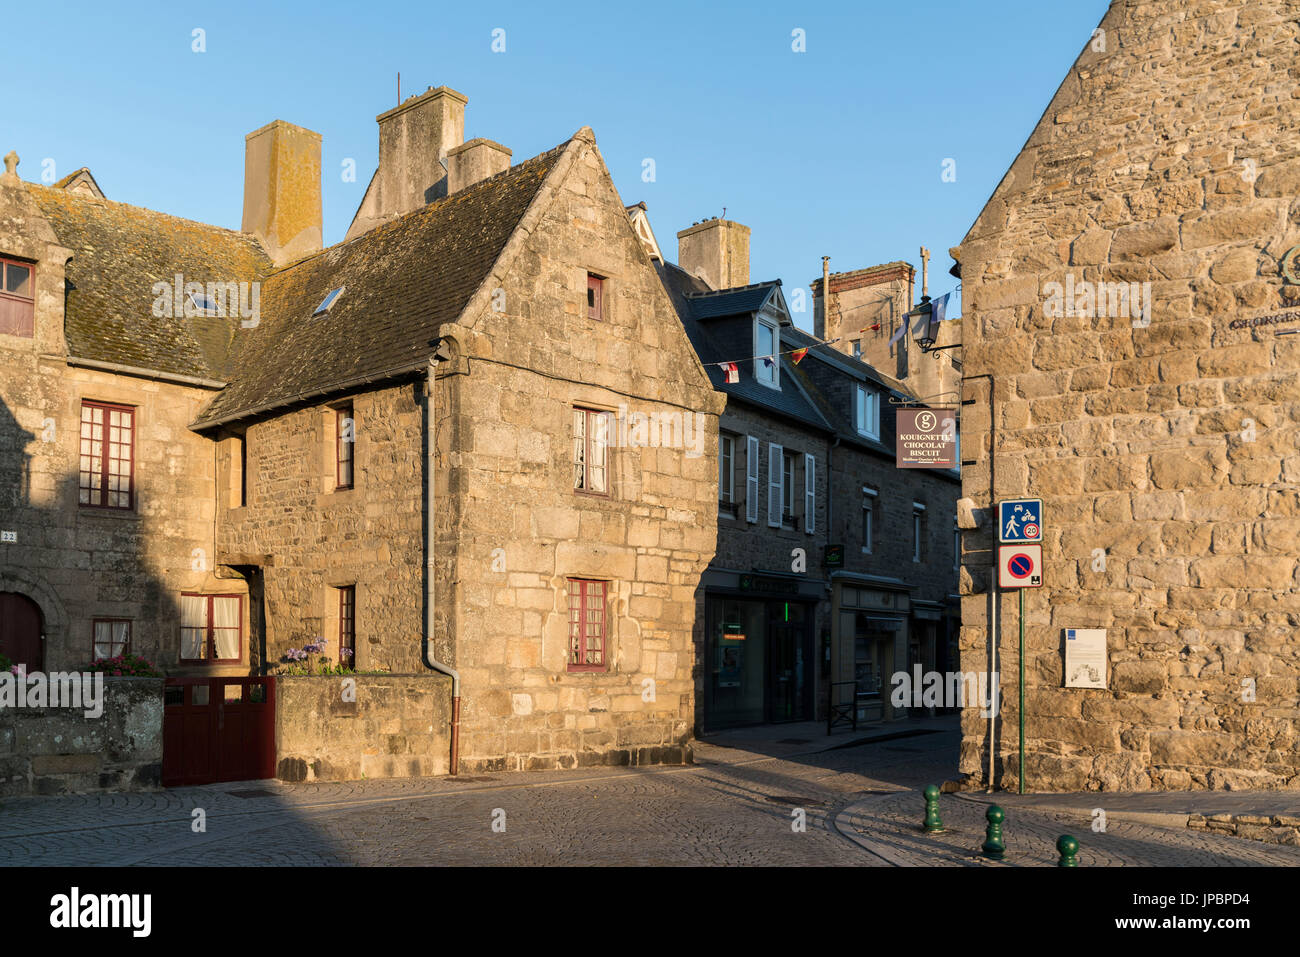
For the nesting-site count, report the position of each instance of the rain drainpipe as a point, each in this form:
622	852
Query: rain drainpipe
431	441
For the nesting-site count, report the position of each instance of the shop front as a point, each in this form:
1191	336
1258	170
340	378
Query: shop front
760	665
870	640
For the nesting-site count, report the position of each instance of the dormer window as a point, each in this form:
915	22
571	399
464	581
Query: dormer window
328	301
17	299
767	369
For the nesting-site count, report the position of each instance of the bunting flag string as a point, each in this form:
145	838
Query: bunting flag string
732	366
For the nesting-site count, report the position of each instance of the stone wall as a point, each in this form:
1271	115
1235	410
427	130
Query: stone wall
1164	446
516	531
60	750
364	726
309	537
78	563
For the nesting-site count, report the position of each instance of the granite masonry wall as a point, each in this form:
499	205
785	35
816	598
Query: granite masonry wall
1165	445
517	531
363	726
309	537
61	750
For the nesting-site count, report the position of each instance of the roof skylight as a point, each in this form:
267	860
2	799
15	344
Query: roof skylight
328	301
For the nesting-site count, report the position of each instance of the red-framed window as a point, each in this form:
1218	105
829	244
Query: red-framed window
348	625
212	629
110	637
345	441
586	625
591	430
107	470
595	297
17	298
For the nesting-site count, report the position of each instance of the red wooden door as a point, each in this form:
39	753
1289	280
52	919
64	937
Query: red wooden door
20	631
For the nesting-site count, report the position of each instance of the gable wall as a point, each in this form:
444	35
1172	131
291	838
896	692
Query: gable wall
523	530
1166	455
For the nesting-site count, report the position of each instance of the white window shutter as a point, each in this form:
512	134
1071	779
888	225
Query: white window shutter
775	480
751	479
809	493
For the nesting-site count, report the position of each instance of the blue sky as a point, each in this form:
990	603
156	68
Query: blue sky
838	150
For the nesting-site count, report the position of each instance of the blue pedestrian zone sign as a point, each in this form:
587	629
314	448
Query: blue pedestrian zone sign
1020	520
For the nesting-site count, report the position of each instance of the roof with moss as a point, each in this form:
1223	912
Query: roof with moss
400	281
119	252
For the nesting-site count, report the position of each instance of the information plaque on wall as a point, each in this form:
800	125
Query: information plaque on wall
1085	657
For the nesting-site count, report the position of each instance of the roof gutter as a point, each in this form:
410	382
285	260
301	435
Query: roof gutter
430	575
200	424
146	373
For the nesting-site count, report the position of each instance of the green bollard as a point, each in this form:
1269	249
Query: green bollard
932	824
993	846
1069	848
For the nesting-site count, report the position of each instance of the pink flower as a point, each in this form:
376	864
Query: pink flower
117	673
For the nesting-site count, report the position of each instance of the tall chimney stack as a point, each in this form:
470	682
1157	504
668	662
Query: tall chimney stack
282	204
716	251
413	138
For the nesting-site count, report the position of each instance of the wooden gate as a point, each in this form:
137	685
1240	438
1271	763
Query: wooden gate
218	729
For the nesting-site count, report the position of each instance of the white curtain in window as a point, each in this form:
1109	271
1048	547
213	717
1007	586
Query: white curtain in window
225	625
599	447
194	625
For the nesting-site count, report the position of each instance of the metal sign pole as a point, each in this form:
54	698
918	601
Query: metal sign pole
1022	691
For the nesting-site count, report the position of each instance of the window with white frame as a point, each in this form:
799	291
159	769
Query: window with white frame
869	500
787	488
918	532
766	361
866	412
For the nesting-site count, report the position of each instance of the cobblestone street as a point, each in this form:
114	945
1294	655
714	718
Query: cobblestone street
733	807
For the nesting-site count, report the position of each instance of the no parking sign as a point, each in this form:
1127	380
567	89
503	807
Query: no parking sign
1020	566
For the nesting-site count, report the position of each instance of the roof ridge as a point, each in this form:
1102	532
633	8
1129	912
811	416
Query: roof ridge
729	289
426	210
56	192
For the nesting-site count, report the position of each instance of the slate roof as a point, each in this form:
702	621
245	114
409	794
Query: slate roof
739	301
401	281
118	253
719	340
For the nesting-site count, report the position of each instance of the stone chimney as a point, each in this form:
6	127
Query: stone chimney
716	251
475	161
413	137
282	205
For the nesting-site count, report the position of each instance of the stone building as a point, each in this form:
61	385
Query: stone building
106	496
863	316
806	472
1131	290
473	438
